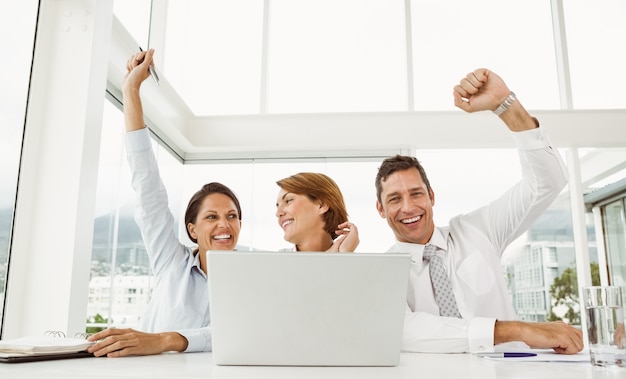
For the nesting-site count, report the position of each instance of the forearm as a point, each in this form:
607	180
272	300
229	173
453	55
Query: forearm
138	71
517	118
114	342
133	109
507	331
173	341
559	336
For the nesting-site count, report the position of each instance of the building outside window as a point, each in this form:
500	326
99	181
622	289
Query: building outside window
608	204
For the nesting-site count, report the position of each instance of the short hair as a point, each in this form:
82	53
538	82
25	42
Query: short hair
193	208
320	187
398	163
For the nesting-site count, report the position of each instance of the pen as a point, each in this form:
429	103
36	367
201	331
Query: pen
506	355
152	71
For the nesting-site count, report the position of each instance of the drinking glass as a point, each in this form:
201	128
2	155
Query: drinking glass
604	310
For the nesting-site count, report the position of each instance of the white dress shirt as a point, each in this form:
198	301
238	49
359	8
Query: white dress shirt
473	244
180	299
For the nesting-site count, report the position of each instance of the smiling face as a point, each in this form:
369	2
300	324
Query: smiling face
407	205
299	217
217	225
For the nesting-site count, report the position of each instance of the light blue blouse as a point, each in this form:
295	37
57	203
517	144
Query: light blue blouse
180	299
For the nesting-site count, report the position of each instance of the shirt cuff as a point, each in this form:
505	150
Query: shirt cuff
480	334
197	339
532	139
138	140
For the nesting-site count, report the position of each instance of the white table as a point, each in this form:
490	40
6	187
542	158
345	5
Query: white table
200	365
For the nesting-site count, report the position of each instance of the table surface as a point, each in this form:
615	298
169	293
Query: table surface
200	365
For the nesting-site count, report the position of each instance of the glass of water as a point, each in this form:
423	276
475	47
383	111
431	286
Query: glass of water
604	311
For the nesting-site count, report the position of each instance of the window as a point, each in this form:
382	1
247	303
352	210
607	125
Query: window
354	56
595	30
17	31
614	216
446	46
135	15
225	38
336	56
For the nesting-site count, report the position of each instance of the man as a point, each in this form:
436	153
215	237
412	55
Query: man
481	314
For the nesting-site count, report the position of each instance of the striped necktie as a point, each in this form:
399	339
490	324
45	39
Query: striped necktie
441	283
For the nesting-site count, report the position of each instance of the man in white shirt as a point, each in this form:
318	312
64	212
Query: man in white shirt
472	245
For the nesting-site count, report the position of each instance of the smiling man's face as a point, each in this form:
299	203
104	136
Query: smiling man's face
407	205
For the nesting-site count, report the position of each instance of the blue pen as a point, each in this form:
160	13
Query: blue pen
506	355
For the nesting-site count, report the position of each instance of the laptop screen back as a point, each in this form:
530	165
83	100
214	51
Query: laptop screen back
310	309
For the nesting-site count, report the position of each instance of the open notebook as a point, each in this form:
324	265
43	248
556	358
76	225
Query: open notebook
307	309
46	347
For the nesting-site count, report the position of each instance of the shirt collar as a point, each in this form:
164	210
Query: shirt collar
439	239
196	261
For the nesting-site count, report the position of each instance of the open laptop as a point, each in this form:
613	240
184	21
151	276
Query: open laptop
307	309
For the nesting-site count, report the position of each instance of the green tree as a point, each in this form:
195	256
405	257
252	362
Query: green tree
97	319
564	291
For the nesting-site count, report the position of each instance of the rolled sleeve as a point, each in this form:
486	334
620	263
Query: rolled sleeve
197	339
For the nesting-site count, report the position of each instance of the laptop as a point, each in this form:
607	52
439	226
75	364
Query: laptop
307	309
